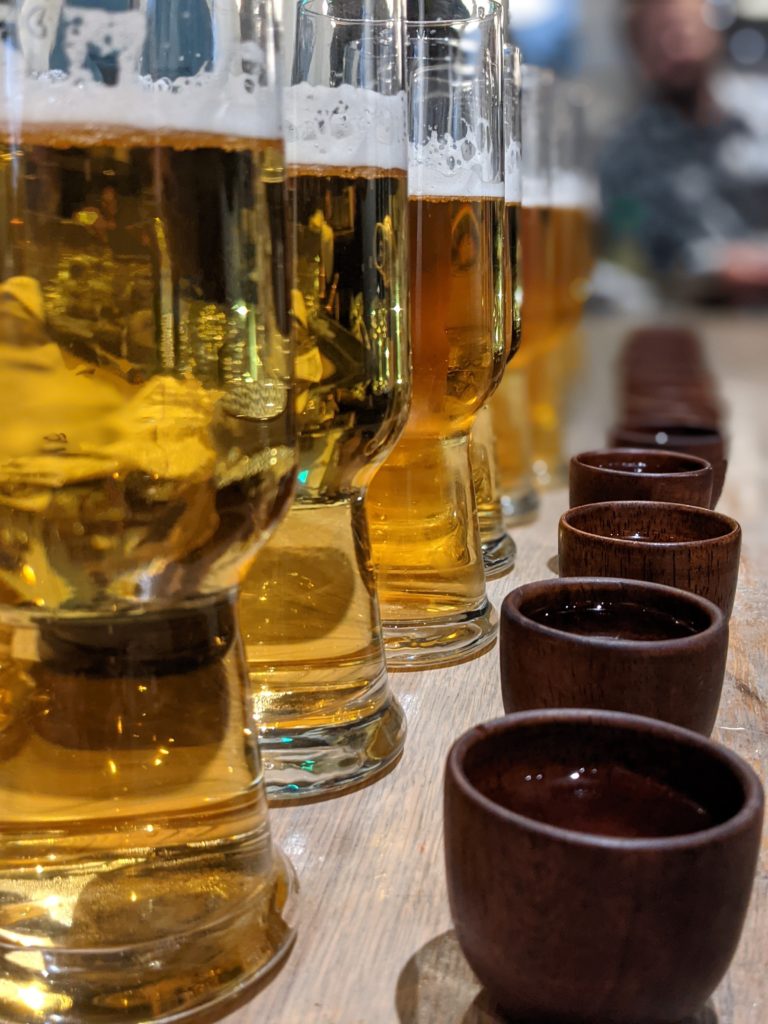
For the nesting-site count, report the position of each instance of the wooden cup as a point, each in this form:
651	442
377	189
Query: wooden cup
616	645
675	545
640	474
705	442
584	925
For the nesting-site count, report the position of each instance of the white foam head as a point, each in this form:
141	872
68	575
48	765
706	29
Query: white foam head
536	192
344	127
572	190
513	173
446	167
221	101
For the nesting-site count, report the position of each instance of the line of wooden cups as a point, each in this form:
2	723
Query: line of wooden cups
600	848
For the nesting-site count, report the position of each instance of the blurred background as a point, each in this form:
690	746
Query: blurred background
678	116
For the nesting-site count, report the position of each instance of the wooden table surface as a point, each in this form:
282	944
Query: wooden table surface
375	944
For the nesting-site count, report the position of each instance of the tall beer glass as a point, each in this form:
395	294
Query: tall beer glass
501	434
146	449
574	205
311	619
421	505
539	352
509	406
499	549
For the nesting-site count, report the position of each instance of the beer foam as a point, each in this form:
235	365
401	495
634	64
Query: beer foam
536	191
446	167
513	173
344	127
215	101
574	191
234	107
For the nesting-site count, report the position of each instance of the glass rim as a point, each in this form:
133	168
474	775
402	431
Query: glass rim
494	10
311	7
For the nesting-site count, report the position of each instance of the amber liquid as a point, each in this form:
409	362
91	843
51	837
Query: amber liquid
601	799
147	446
542	342
485	478
309	611
421	508
574	242
538	273
572	237
510	428
619	620
484	453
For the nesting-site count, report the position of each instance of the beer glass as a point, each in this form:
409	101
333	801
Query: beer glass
147	448
421	505
311	622
540	357
501	439
574	206
509	406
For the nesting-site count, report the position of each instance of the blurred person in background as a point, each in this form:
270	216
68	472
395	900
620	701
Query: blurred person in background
677	204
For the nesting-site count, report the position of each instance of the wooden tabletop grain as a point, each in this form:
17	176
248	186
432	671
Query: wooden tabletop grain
375	944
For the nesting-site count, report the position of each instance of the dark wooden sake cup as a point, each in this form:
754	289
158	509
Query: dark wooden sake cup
640	648
681	546
705	442
640	474
583	927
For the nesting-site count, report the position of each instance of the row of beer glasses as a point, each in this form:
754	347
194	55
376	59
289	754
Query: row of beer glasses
157	421
312	624
149	450
380	565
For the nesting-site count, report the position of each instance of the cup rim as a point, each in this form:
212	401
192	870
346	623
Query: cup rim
701	469
750	783
511	608
733	532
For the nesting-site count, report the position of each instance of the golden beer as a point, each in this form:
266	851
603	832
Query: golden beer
541	351
509	406
569	229
309	610
513	278
147	446
573	230
538	263
493	454
420	505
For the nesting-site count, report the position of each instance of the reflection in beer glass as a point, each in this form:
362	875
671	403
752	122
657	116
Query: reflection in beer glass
310	613
421	505
147	448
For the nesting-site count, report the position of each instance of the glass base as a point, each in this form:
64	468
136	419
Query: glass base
499	557
192	969
302	764
419	645
520	509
